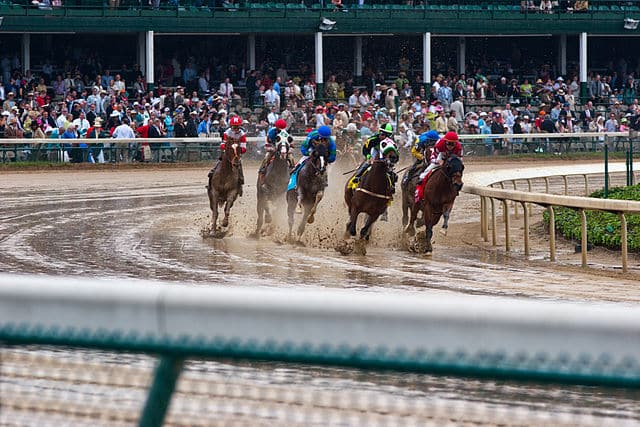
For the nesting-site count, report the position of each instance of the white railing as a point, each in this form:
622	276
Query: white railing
488	195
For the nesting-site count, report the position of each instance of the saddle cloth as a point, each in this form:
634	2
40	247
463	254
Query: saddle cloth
419	194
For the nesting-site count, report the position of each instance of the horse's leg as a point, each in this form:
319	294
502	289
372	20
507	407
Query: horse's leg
410	228
292	201
260	208
351	225
267	211
312	211
214	210
365	233
227	209
306	211
405	209
445	218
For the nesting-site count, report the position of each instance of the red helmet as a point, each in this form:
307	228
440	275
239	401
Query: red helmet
281	124
235	121
451	137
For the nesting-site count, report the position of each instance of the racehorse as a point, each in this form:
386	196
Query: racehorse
224	184
311	182
371	196
440	192
408	198
274	182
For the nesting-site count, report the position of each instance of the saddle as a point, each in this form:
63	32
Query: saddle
419	194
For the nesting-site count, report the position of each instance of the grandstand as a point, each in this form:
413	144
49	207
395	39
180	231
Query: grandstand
434	34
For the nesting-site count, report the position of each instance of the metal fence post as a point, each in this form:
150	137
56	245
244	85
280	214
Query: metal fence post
164	382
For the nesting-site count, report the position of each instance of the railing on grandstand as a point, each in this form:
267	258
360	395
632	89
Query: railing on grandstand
204	7
208	149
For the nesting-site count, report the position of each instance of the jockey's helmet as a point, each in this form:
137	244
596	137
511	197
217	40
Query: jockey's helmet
429	138
235	121
324	131
386	129
451	137
281	124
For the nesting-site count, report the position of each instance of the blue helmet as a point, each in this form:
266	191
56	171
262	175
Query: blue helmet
429	138
324	131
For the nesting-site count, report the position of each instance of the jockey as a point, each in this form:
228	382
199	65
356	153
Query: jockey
272	142
371	147
236	135
322	134
422	151
446	147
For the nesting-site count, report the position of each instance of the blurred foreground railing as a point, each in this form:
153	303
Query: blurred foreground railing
484	337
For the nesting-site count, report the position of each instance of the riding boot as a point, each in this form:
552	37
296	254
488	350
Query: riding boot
409	175
240	180
394	178
264	164
292	163
363	167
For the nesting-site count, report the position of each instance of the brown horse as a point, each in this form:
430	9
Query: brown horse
273	184
311	182
224	185
371	196
440	192
408	197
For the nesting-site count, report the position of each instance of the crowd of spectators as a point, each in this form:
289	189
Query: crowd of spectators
196	101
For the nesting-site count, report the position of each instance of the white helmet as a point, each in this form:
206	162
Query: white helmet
387	145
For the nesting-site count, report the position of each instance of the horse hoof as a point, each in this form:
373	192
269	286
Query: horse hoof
345	247
255	235
298	209
311	219
360	247
428	253
225	223
443	231
267	218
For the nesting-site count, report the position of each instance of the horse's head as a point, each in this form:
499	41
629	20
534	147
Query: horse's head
319	158
283	143
389	152
231	151
454	169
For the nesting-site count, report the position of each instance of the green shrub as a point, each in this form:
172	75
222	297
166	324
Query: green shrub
603	228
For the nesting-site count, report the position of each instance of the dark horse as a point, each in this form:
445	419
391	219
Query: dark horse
408	199
224	184
440	192
311	182
273	184
371	196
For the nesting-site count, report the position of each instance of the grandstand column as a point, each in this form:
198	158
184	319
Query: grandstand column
562	55
26	53
319	67
462	52
142	48
358	60
251	51
426	61
583	67
149	60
